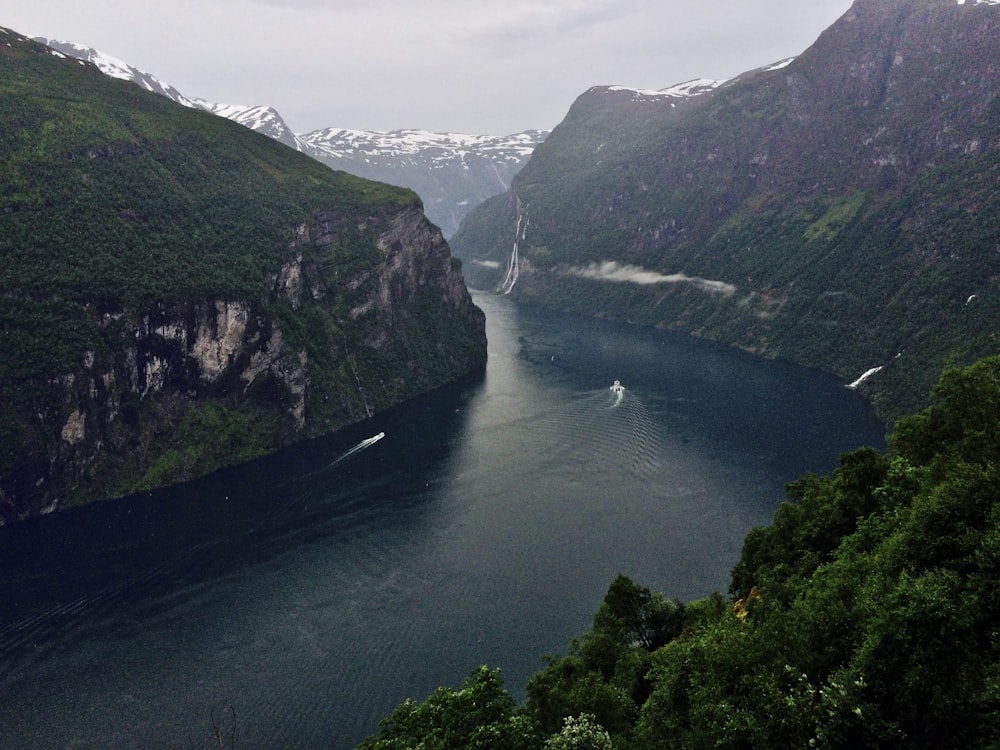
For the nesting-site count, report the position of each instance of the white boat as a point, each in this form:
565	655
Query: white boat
617	387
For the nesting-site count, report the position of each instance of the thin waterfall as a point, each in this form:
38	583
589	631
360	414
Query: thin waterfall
512	265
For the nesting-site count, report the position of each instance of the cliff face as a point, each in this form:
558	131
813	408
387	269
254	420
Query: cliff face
185	388
838	210
184	294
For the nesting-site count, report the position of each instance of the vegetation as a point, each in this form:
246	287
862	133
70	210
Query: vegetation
113	197
210	436
865	615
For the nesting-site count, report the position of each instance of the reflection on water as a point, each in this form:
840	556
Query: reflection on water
315	589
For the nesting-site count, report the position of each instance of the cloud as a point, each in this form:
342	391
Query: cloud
519	24
624	273
475	66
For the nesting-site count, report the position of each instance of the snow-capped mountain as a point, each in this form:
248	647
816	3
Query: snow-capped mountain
452	173
115	68
263	119
368	144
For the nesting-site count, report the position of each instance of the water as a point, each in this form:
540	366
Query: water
316	589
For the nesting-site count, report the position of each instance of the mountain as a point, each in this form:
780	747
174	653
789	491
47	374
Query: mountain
839	209
264	120
452	173
179	293
115	68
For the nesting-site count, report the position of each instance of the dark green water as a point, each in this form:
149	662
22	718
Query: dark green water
316	589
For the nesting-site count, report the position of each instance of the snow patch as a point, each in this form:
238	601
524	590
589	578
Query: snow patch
678	91
779	65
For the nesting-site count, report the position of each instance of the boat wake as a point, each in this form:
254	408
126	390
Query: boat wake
366	443
617	393
350	452
606	432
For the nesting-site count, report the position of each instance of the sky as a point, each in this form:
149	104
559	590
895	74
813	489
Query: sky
492	67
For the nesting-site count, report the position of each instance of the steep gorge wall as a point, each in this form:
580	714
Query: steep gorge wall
177	390
840	211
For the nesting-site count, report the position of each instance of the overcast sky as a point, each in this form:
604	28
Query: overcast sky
465	66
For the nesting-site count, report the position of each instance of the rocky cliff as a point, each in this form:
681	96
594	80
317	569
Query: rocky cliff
181	294
839	209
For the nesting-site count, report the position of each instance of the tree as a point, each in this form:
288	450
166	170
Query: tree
647	619
580	733
478	716
961	421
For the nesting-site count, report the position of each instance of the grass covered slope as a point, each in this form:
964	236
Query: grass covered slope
179	293
865	616
115	196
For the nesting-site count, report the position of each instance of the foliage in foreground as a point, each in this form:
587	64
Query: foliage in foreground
866	615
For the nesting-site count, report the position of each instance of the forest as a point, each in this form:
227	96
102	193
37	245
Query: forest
864	616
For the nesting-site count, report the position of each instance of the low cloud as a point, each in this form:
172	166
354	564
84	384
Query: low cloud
623	273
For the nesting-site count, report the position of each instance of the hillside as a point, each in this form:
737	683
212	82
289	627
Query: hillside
839	209
451	172
179	293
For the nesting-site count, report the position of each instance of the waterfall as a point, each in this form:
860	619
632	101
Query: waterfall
512	265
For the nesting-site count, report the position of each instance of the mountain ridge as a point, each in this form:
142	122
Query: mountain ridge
451	172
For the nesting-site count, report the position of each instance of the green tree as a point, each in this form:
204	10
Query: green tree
580	733
479	715
961	422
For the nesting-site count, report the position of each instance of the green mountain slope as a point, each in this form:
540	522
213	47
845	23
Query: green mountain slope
838	211
178	293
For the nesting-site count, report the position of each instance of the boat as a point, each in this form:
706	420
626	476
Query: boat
617	387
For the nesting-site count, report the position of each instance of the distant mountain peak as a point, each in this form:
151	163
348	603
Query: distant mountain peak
115	68
258	117
339	142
